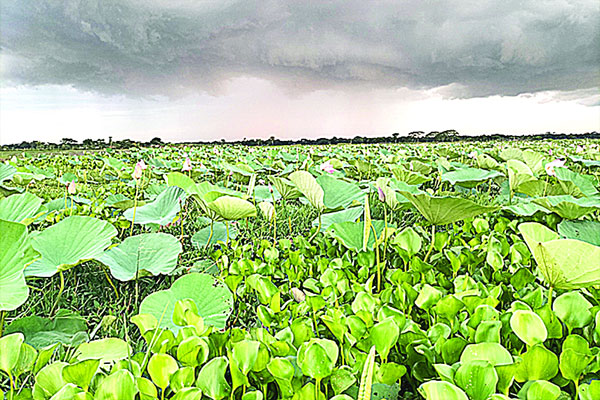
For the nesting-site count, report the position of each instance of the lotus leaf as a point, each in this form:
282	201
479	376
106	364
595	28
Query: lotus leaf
16	253
564	263
162	210
338	193
587	231
149	253
309	187
69	243
232	208
213	300
21	208
446	210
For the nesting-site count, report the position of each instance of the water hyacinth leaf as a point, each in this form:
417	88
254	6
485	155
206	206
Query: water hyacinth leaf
161	367
537	363
8	356
384	336
66	327
338	193
477	378
409	241
440	390
232	208
494	353
309	187
212	298
590	391
529	327
16	253
162	210
543	390
245	354
211	379
49	380
119	385
446	210
564	263
317	358
68	243
140	255
586	231
22	208
106	350
341	379
81	373
573	310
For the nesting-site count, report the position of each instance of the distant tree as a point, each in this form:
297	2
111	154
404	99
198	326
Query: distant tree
156	141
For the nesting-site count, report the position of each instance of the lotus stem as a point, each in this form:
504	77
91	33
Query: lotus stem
211	233
110	282
137	185
317	231
2	318
432	243
227	230
60	291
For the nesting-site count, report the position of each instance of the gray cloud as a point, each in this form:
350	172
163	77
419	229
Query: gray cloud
172	47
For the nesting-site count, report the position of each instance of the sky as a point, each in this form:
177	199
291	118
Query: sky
186	70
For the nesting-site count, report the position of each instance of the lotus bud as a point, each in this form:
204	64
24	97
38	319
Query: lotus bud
261	181
270	188
381	194
72	188
187	165
298	295
137	172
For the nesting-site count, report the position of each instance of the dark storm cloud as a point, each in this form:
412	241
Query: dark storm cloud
141	48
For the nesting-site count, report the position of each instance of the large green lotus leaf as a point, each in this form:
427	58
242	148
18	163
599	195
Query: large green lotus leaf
526	208
309	187
6	172
145	254
539	188
162	210
409	177
575	184
213	300
232	208
348	215
469	177
569	207
66	327
587	231
21	208
534	160
70	242
182	181
15	254
338	193
285	187
262	193
518	173
511	153
564	263
587	163
446	210
351	234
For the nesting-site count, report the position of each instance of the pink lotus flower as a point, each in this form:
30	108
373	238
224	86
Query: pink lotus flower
473	154
550	151
551	165
187	164
142	164
579	149
261	181
71	189
327	167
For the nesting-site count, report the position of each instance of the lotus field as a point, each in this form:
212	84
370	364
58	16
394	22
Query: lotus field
430	271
